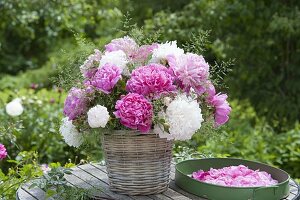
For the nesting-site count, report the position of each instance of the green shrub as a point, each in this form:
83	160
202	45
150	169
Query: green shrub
61	56
287	151
36	129
29	32
24	168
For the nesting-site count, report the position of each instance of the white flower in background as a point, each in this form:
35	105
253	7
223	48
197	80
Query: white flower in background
183	115
117	58
98	116
70	134
14	108
164	50
39	102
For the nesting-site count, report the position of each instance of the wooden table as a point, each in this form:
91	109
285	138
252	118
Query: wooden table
94	176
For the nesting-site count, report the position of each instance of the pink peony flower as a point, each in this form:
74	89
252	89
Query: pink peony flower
105	78
222	112
89	90
126	44
210	89
235	176
135	112
3	152
191	70
222	108
90	73
151	81
142	53
75	103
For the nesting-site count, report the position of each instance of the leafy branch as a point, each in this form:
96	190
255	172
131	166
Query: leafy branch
55	185
198	43
219	71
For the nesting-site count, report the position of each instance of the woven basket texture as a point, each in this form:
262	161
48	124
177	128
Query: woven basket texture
137	164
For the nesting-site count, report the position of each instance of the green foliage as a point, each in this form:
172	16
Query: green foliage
36	129
68	73
68	56
25	167
55	185
141	10
262	36
287	151
197	43
41	76
24	80
29	32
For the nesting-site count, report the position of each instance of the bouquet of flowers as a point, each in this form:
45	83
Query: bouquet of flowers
150	88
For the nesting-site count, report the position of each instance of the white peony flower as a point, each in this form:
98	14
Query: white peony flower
70	134
14	108
164	50
184	117
117	58
98	116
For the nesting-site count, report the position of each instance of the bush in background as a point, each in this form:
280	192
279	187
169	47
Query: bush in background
31	29
36	129
263	38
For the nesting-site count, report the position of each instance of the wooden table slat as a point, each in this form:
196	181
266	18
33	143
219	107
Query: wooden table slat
75	181
36	192
175	195
87	178
94	177
97	181
173	186
294	190
293	183
159	197
23	194
291	197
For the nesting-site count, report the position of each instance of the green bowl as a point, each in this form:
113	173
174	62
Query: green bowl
217	192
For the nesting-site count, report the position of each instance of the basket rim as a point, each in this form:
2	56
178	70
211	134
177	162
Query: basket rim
123	132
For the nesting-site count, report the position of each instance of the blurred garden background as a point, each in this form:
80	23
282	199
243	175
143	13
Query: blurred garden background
255	42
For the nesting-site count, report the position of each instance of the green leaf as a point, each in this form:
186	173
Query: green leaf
50	193
33	185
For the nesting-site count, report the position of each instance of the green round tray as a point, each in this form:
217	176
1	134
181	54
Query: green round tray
217	192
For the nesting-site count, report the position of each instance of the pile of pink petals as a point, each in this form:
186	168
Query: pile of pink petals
235	176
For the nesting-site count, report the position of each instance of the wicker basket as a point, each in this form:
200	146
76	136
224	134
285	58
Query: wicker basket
137	164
